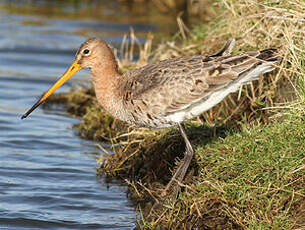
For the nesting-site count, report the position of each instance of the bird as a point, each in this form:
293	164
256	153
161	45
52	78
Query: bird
169	92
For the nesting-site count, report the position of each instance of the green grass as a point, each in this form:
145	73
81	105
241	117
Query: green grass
252	179
260	172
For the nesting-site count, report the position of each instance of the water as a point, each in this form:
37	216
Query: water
47	174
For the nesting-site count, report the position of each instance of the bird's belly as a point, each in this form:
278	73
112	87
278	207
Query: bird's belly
142	120
155	123
200	106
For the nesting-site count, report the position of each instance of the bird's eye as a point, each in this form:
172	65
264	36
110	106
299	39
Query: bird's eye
86	51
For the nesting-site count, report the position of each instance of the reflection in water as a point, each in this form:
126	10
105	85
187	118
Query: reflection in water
47	175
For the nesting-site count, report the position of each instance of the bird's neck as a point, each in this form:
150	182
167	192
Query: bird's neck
106	80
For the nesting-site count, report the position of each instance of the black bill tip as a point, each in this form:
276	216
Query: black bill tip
31	109
24	116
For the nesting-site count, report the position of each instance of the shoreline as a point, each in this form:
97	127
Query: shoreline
248	167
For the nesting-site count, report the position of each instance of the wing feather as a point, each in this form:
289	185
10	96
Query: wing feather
172	85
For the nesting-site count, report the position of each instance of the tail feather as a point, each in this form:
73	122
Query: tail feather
270	55
268	58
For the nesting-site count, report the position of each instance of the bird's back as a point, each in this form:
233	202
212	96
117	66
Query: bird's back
174	90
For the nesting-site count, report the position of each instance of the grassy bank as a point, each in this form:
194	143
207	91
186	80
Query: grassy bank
248	172
253	179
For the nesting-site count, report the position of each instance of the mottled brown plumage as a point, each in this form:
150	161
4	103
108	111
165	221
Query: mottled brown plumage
154	92
168	92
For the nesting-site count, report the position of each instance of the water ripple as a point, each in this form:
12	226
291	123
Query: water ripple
46	180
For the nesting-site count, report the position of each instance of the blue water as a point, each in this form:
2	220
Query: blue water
47	173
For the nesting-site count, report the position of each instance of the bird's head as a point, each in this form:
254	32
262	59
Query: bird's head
92	53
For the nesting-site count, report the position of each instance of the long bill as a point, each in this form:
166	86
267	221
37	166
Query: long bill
73	69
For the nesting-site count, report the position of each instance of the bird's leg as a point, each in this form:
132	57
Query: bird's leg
181	171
